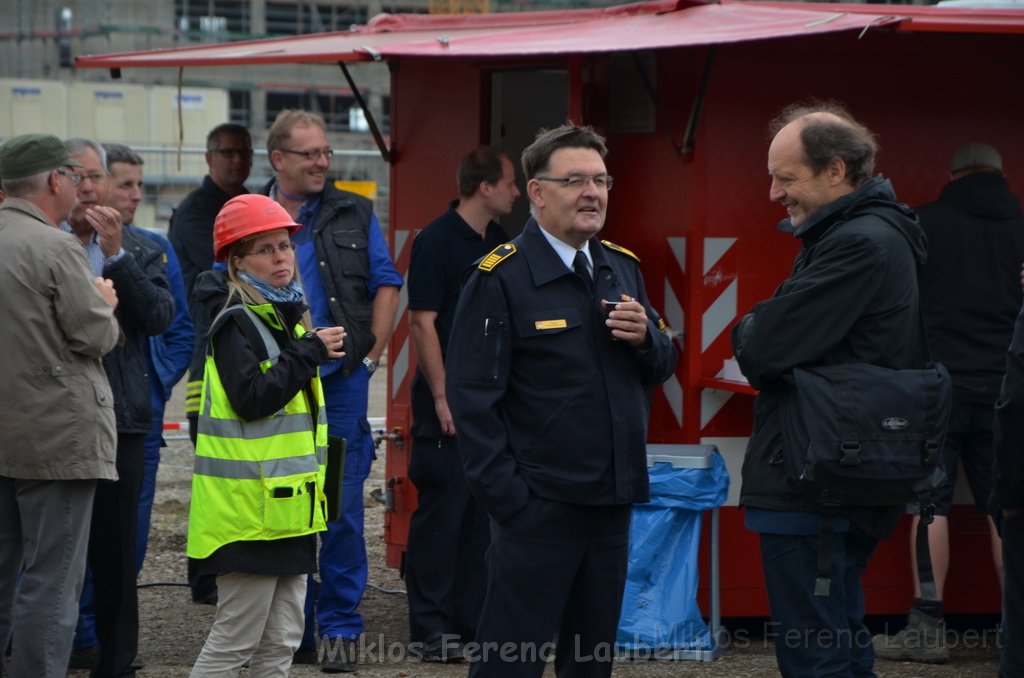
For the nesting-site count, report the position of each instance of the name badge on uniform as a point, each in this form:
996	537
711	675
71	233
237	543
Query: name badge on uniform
551	324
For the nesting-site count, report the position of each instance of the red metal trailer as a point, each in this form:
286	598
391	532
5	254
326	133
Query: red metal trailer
683	92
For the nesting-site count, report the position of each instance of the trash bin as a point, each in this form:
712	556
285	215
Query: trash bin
660	617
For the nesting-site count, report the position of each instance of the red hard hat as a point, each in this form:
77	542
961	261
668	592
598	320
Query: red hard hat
246	215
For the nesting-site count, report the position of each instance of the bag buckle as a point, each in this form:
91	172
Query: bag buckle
851	453
926	512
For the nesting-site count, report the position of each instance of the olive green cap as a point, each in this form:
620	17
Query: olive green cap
28	154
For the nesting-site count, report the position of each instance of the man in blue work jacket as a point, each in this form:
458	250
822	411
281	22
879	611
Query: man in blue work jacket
349	280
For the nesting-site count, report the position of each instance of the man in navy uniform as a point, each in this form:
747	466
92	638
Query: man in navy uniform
550	388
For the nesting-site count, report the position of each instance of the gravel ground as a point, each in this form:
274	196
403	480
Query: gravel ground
173	628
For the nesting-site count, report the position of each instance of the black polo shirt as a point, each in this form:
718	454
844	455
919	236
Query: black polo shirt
441	254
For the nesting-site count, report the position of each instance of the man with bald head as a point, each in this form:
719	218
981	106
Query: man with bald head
852	298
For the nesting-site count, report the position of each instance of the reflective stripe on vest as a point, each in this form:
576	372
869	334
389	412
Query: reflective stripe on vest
261	479
254	470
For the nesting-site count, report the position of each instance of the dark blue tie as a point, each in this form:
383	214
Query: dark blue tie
579	266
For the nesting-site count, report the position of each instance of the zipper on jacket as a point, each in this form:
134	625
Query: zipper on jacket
497	351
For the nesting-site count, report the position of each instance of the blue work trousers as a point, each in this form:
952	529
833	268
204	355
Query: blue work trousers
343	564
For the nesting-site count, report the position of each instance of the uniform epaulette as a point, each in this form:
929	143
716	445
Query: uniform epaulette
497	255
619	248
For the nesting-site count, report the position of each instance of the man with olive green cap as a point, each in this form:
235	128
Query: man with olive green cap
58	323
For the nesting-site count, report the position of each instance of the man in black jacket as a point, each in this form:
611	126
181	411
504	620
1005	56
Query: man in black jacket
146	308
970	294
852	297
550	388
448	532
229	158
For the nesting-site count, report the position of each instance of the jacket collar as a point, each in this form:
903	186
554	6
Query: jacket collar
26	207
544	263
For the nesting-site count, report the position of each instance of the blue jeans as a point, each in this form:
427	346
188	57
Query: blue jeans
818	636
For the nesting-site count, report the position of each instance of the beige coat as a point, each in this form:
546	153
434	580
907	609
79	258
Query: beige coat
56	408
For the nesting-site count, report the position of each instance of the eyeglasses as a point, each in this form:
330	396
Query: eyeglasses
270	250
577	182
229	153
311	155
75	177
95	177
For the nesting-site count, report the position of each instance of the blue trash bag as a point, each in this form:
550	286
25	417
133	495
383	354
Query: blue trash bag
659	607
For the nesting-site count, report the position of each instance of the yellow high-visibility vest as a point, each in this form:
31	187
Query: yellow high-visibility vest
261	479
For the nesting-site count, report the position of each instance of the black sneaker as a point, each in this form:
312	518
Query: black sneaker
84	658
305	655
338	655
440	648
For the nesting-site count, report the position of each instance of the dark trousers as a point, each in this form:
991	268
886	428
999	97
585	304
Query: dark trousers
818	635
553	568
203	586
1011	662
448	536
112	559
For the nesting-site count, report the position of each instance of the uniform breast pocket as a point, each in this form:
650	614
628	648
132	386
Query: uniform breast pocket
352	246
553	342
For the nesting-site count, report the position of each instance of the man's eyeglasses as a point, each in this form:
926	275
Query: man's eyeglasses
75	177
229	153
270	250
95	178
311	155
577	182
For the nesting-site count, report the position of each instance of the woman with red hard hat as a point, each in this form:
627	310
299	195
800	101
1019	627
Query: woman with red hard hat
258	496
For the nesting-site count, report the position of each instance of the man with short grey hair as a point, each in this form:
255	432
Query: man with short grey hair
57	436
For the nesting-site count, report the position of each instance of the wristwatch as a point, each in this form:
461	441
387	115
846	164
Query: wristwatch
370	365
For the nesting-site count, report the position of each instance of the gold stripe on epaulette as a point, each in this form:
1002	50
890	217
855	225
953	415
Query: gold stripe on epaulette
619	248
497	255
662	324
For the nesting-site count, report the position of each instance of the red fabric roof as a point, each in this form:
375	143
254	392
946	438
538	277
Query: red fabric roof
640	26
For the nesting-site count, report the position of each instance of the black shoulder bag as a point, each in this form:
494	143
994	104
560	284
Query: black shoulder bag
861	435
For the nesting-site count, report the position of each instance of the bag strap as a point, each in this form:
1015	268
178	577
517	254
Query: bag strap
925	575
849	443
926	508
828	509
